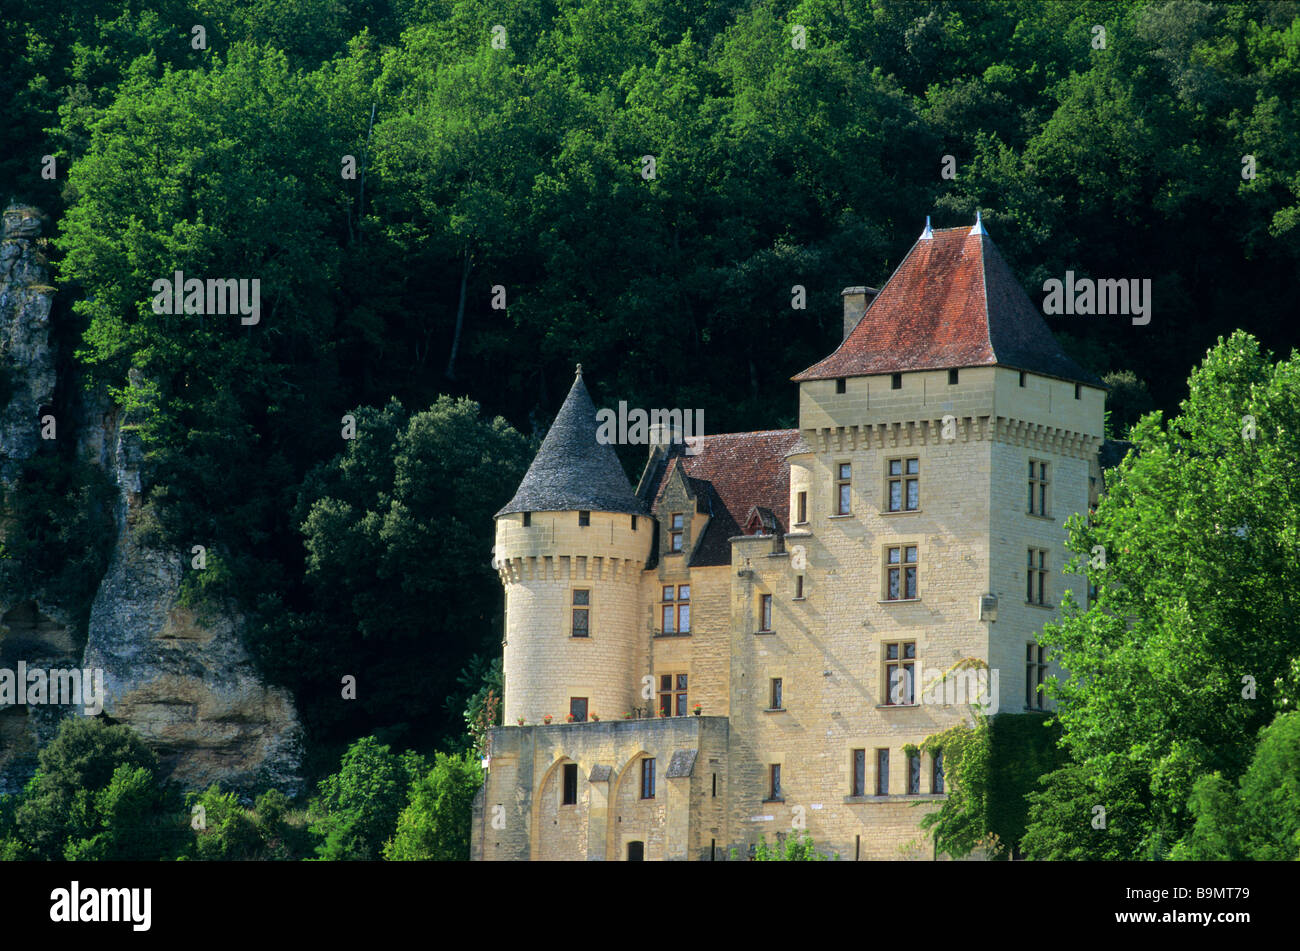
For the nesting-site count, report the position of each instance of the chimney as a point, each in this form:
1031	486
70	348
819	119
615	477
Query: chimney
856	301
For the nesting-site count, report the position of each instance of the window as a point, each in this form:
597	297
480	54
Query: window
904	485
900	573
798	587
859	782
1035	672
577	709
676	609
672	695
528	519
900	673
882	772
952	377
570	785
936	773
843	482
913	774
776	694
1037	487
802	508
1078	391
841	385
584	518
648	778
634	523
1036	577
774	781
581	612
765	613
896	381
675	532
1022	377
636	851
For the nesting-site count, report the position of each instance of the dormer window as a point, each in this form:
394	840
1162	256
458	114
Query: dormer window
584	519
675	529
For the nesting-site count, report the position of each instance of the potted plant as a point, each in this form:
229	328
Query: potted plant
546	719
521	721
594	718
698	709
627	716
570	718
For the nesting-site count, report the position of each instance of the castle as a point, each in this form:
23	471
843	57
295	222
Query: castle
748	643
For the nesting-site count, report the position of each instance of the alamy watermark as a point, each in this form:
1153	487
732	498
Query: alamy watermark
181	295
38	685
1085	296
977	686
660	426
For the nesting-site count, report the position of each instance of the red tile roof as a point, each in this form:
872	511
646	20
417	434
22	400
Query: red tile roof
733	474
952	303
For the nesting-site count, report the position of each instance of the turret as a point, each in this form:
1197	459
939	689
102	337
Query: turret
570	549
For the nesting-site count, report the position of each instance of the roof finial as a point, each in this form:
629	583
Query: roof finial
979	225
578	372
927	233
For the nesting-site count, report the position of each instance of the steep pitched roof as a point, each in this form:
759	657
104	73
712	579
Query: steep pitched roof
572	470
732	475
953	302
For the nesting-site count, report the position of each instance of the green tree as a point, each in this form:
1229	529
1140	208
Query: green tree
357	808
436	823
1184	654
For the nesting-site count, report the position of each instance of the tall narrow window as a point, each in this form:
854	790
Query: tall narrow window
802	507
1035	673
584	518
676	609
841	385
765	613
648	778
675	532
900	673
1022	377
776	694
904	485
1037	487
952	377
896	381
577	709
672	695
634	523
900	573
882	772
1036	577
774	781
798	587
936	776
528	519
858	787
843	486
913	774
1078	391
570	785
581	612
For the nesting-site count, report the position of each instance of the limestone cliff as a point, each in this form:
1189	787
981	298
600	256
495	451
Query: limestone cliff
186	685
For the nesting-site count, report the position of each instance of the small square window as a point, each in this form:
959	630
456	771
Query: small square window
952	377
841	385
896	381
584	518
577	709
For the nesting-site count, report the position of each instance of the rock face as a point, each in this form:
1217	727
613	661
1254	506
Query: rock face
32	630
186	684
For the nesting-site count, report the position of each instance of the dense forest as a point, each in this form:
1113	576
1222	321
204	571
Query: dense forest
448	203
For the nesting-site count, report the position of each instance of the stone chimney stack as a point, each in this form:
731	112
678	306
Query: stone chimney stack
856	301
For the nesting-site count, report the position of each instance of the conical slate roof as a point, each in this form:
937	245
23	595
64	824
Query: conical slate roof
952	303
572	470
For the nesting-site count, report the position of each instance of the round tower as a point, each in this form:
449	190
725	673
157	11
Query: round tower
570	549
